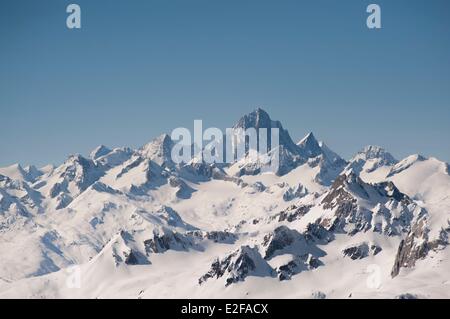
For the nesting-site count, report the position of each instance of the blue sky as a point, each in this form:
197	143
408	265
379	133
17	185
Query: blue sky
139	68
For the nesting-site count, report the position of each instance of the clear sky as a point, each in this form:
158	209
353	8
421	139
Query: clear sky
142	67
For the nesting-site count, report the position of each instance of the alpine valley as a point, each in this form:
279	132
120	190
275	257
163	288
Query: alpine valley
133	224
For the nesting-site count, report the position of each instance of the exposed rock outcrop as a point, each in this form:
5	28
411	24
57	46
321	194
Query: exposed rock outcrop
417	245
297	265
238	265
164	239
362	250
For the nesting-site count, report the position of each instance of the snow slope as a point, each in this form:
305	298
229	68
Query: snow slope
132	224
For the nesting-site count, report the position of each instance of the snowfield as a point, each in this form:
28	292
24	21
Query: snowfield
126	223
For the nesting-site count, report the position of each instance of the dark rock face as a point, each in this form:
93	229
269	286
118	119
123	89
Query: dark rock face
345	207
350	217
317	233
222	237
279	239
297	265
361	251
183	190
238	265
63	200
340	194
125	251
260	119
135	258
298	191
284	240
386	223
357	252
168	239
389	190
417	245
375	250
292	213
200	169
291	155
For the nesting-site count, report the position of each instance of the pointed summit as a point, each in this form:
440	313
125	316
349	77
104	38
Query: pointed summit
99	151
310	146
159	150
17	172
309	138
261	119
331	155
257	119
370	159
376	152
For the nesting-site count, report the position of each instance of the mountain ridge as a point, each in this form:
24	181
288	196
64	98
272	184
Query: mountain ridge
123	211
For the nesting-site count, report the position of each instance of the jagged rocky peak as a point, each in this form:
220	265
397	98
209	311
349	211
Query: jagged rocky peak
257	119
370	159
80	169
331	155
417	244
358	206
164	239
339	194
17	172
310	146
236	266
291	155
99	151
302	253
17	196
349	186
291	213
114	157
296	192
261	119
73	177
159	150
124	250
277	241
377	152
217	236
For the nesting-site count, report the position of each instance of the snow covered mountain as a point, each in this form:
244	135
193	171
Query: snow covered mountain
133	224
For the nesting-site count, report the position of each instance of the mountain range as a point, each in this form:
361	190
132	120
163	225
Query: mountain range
134	224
